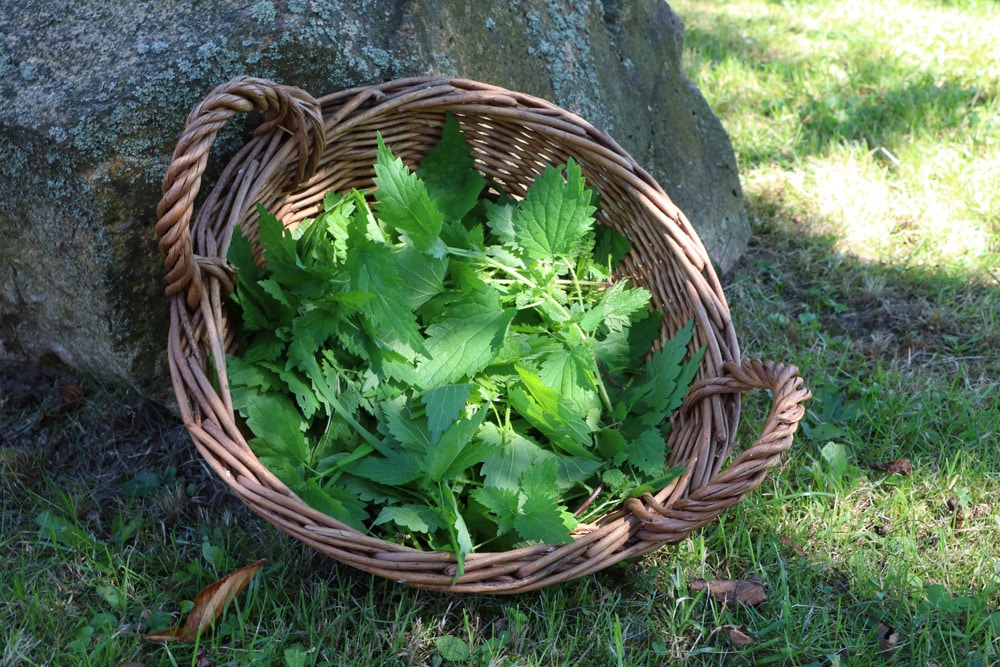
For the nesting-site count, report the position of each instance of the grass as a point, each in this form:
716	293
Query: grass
876	122
867	135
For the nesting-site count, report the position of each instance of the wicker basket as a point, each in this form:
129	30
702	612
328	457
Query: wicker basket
306	147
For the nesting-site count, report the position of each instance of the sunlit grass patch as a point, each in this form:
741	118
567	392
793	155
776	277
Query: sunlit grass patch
881	119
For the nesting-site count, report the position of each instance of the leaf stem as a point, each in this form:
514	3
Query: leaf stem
589	500
558	281
602	390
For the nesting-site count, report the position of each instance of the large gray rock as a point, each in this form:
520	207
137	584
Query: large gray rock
96	92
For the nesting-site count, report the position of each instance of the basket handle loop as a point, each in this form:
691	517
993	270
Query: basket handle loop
291	109
674	522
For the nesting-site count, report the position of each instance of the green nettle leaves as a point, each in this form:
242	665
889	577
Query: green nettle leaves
432	361
555	216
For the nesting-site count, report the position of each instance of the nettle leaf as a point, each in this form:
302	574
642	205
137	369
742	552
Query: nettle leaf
626	350
397	469
542	518
404	203
440	458
287	301
570	372
500	220
444	405
240	255
610	247
471	454
504	256
668	377
310	331
313	246
619	304
417	518
449	173
301	387
616	480
267	345
575	469
422	275
256	307
648	452
667	361
510	455
612	445
504	504
325	241
325	378
555	214
458	531
409	430
247	380
336	502
279	246
363	225
463	344
277	425
544	408
373	271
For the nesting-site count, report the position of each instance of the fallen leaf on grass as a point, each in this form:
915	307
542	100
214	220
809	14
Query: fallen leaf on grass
749	591
957	511
64	400
203	659
208	606
888	640
737	637
793	545
897	467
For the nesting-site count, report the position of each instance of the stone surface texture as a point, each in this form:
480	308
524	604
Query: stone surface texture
96	92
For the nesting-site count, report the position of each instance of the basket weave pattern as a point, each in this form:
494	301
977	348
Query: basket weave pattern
306	147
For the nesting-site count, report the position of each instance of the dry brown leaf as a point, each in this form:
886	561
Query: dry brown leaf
957	511
203	659
64	400
897	467
208	606
888	640
793	545
749	591
736	635
738	638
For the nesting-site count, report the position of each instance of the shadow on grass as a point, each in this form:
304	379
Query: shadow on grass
882	103
917	347
888	498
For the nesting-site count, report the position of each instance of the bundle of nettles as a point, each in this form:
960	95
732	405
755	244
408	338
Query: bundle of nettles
436	363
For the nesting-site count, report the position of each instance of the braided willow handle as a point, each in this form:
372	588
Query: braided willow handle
673	522
286	107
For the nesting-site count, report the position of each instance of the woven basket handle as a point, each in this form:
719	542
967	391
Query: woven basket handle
674	522
291	109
